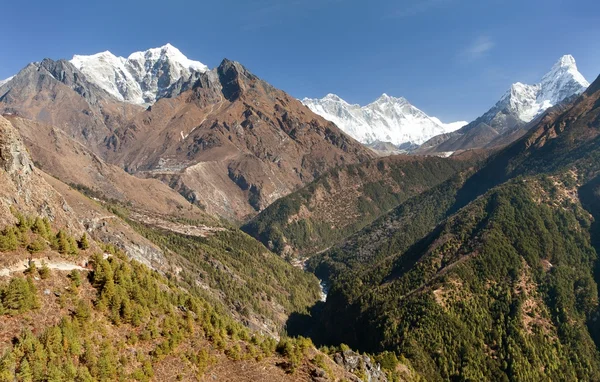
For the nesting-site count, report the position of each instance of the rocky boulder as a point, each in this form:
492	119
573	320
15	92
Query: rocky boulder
360	365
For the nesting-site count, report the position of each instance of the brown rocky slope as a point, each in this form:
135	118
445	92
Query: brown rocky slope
225	139
234	143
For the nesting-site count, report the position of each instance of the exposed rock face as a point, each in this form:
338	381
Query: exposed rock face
13	154
58	94
360	364
32	191
21	184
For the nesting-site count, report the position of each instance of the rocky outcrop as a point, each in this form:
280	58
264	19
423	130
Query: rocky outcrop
14	158
362	365
22	186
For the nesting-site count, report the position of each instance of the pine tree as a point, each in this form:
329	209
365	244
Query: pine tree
7	367
20	295
25	374
83	375
9	240
62	242
107	362
40	227
37	245
83	311
75	277
44	271
55	374
83	242
31	269
73	246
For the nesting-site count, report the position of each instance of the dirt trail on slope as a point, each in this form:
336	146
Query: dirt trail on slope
199	230
22	265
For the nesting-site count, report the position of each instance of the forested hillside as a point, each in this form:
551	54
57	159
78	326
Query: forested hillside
488	276
78	310
348	198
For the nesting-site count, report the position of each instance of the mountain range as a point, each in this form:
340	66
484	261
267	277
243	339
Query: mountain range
160	220
387	119
226	140
143	77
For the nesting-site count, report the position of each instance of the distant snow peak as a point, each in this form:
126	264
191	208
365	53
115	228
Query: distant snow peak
141	77
566	61
387	119
528	101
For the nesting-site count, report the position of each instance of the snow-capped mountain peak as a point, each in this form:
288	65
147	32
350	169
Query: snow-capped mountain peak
170	53
333	98
562	81
528	101
566	61
140	78
387	119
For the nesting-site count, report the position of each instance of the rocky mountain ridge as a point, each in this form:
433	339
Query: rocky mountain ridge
141	78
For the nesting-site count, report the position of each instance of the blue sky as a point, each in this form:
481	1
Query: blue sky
451	58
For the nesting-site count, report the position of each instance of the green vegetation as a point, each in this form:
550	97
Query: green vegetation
295	350
44	271
391	234
135	324
492	275
128	294
500	291
345	200
84	242
250	277
36	235
18	296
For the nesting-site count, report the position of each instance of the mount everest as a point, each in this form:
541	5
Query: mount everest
387	119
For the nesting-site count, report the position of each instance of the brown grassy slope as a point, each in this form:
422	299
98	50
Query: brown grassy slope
21	184
73	163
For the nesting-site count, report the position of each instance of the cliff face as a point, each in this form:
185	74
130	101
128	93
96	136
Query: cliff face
21	184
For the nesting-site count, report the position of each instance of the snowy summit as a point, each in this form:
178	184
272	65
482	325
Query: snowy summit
387	119
528	101
140	78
